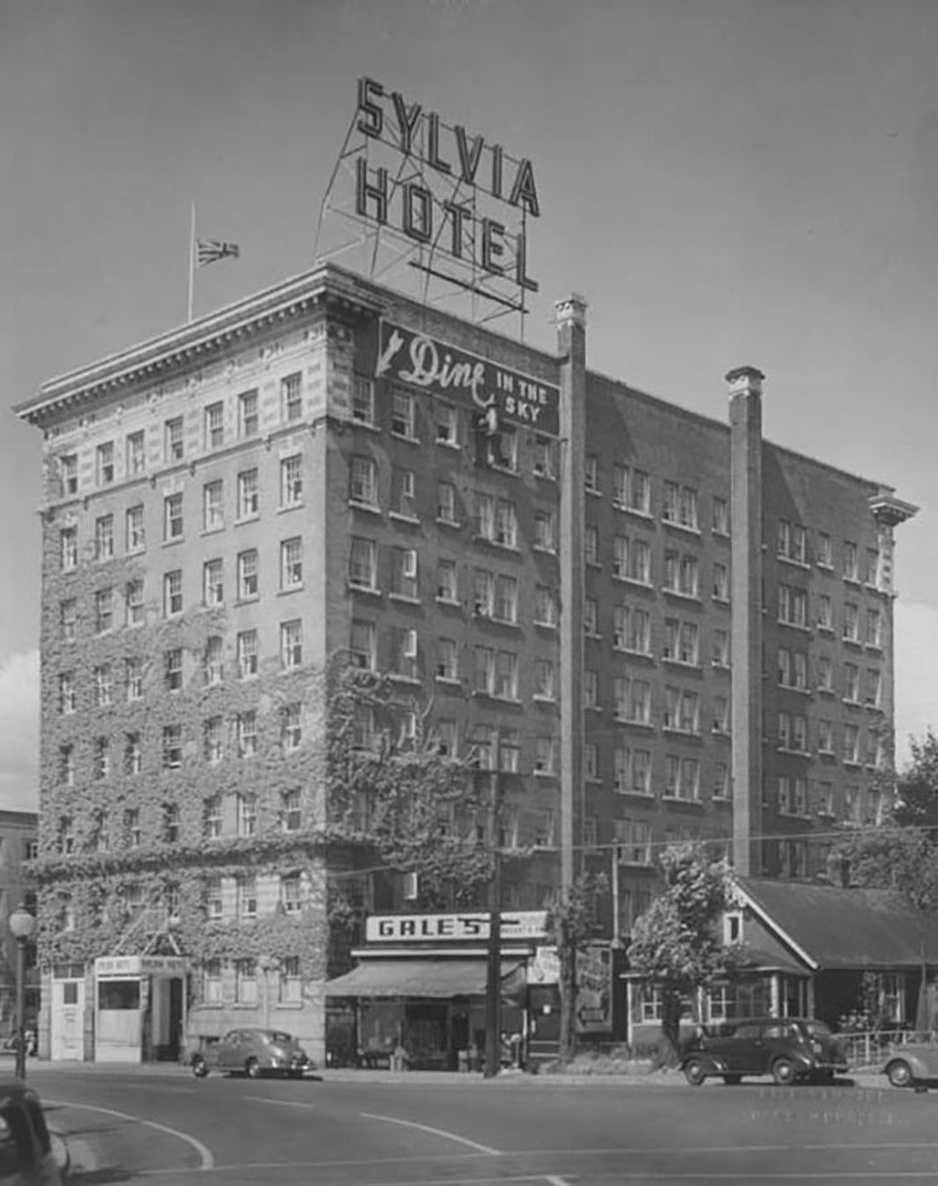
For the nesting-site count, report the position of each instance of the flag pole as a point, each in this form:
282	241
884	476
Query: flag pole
191	262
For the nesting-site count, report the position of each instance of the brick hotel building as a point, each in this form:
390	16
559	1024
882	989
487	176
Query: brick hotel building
663	626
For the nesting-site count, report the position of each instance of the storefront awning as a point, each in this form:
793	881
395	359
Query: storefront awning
424	978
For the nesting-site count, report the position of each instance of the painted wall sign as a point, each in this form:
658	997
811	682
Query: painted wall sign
594	990
420	361
395	928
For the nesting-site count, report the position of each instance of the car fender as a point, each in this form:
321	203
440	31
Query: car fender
714	1065
920	1069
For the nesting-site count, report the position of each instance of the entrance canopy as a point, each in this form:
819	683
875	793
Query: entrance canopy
424	978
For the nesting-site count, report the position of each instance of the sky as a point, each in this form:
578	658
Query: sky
724	181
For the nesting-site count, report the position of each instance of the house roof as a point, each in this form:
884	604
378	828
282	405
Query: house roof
833	927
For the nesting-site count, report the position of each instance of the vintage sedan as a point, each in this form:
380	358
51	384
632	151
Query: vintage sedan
253	1052
29	1155
912	1064
790	1049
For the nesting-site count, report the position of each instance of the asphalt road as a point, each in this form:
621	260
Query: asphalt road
139	1125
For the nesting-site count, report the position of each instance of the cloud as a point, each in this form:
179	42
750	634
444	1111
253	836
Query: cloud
19	732
916	651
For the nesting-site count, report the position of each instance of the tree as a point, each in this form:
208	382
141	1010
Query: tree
917	804
893	856
569	924
675	943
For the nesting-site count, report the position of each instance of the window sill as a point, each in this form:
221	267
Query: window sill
674	731
852	764
367	425
403	436
853	703
252	518
792	688
593	492
404	597
631	793
646	725
795	626
854	581
685	664
825	691
718	600
793	753
719	665
452	523
292	589
635	653
451	681
626	580
540	698
368	507
805	567
450	601
400	517
544	475
719	533
290	506
875	647
368	590
496	543
238	601
684	528
680	799
639	514
400	678
691	597
592	635
546	625
447	444
545	773
544	549
166	543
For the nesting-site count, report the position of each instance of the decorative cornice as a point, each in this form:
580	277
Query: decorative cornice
889	510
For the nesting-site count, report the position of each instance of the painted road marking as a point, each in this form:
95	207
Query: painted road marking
205	1154
438	1132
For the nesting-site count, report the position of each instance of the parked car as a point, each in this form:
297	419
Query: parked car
790	1049
27	1156
913	1064
253	1052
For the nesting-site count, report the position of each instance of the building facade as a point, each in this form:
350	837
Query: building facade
649	624
18	843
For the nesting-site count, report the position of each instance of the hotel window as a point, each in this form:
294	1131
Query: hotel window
68	548
721	648
591	545
680	573
825	674
680	505
800	671
104	464
591	473
620	485
792	542
135	537
404	573
133	756
543	679
638	631
633	842
503	448
633	771
543	464
291	645
172	593
404	652
638	561
799	796
721	516
823	551
852	744
483	519
248	495
505	604
506	524
246	650
825	612
362	563
291	728
545	606
784	667
403	486
172	517
247	414
721	715
291	397
212	668
825	737
103	610
720	590
792	606
446	587
132	831
246	734
721	781
872	574
213	909
135	455
853	810
245	981
874	755
681	641
544	531
545	755
362	645
213	505
363	482
213	585
873	687
104	537
247	574
590	617
403	413
484	674
483	592
170	823
103	685
133	679
590	688
291	563
291	480
100	763
172	746
213	740
874	628
631	489
682	710
215	425
363	728
246	886
68	619
212	818
799	734
172	439
363	400
620	557
825	798
590	761
67	765
784	795
784	730
851	683
291	893
682	778
447	739
172	669
632	699
446	503
851	622
444	416
291	984
851	562
447	659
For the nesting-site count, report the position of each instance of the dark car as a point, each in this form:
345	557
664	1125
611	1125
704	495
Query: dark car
253	1052
28	1156
790	1049
912	1064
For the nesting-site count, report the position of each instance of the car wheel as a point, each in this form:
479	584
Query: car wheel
199	1067
252	1068
899	1073
784	1072
732	1080
695	1072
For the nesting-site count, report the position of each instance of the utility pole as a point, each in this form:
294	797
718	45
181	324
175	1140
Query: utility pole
493	983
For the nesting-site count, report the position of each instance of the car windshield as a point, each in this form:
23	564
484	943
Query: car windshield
281	1037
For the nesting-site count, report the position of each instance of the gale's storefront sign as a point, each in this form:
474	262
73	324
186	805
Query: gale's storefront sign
396	928
424	362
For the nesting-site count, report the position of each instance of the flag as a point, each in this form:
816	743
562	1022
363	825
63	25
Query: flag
211	250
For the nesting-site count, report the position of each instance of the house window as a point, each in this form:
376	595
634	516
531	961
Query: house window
851	622
874	628
543	679
135	535
363	486
245	981
291	644
104	464
363	727
873	687
591	546
851	562
721	583
483	595
506	675
680	573
721	516
825	736
247	814
133	759
446	503
825	798
792	606
590	689
135	456
362	645
101	758
362	566
872	575
215	425
483	524
172	747
104	537
68	619
172	439
133	679
290	813
444	416
132	831
213	583
721	781
545	606
852	744
446	586
506	524
67	765
851	683
680	505
404	573
246	647
447	739
632	699
248	496
66	693
363	400
212	819
291	893
682	710
404	652
825	674
681	778
104	610
68	548
291	481
721	648
246	732
590	617
291	397
212	665
213	740
247	575
291	563
102	686
246	885
502	447
247	414
170	823
172	593
213	505
291	728
591	473
545	755
403	413
172	517
721	714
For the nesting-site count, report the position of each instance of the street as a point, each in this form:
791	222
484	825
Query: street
127	1125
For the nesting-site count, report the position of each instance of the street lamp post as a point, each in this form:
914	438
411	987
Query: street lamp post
22	924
